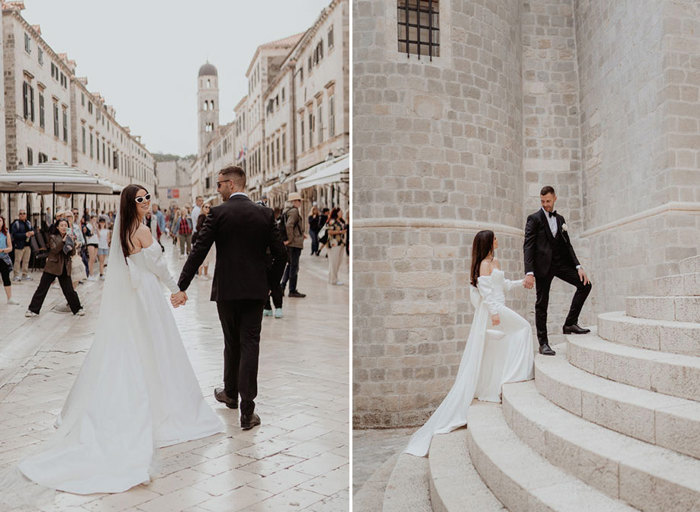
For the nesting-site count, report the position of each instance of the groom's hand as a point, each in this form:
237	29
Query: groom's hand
529	281
178	299
583	277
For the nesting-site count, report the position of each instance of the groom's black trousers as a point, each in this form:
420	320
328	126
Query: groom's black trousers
241	321
565	271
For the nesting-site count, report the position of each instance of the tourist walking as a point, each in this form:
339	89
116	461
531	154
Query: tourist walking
92	240
183	227
196	212
102	245
276	292
21	232
211	255
58	264
314	228
336	244
294	240
78	273
5	261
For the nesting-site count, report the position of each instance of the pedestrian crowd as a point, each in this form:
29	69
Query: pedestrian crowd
74	248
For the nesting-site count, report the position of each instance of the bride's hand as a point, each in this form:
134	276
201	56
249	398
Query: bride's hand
495	319
178	299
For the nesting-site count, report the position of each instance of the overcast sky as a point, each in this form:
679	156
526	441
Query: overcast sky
143	55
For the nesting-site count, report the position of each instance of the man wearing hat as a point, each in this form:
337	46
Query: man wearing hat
294	223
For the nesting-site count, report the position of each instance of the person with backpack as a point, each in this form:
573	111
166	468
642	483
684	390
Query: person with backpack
21	232
293	237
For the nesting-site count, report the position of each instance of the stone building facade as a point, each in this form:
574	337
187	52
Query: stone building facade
174	183
264	126
293	83
51	115
598	99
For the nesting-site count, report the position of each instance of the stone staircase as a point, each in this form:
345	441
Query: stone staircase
611	423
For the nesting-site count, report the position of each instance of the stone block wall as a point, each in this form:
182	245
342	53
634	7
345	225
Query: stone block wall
437	157
639	68
598	99
551	134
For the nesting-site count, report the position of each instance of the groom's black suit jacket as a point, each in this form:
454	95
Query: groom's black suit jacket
540	244
243	231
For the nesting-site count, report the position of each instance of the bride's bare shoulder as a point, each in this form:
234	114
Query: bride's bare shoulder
141	238
485	268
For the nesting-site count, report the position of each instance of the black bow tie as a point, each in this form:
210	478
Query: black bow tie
552	214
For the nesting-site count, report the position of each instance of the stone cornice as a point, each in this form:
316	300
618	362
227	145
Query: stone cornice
664	208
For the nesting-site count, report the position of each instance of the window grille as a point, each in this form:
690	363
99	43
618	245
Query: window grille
419	27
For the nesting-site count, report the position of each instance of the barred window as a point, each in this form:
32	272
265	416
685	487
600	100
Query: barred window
419	27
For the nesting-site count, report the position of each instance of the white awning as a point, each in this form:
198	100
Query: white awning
335	171
56	177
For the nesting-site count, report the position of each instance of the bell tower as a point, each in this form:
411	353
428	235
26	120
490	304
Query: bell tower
207	104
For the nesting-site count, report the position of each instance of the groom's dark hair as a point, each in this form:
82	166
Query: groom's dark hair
547	190
235	174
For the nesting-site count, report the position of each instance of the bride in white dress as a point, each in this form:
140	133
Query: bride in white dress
499	348
136	390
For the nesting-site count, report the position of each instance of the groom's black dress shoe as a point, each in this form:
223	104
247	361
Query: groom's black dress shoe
221	396
297	294
249	421
575	329
547	350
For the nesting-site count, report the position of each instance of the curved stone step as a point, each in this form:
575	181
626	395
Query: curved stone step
454	483
690	265
370	497
663	335
678	284
648	477
681	309
521	478
408	487
658	419
671	374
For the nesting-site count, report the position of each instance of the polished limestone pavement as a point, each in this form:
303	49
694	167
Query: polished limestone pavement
298	459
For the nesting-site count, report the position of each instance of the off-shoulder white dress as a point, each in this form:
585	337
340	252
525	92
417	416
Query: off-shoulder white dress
136	392
493	356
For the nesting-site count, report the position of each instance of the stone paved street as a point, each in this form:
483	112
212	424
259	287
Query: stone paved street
298	459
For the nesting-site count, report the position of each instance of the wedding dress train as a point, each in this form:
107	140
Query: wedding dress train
136	390
492	357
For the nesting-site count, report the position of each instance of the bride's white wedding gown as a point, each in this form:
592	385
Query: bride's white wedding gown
135	392
492	357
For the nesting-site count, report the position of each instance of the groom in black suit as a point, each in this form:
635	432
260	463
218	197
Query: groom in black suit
548	254
243	231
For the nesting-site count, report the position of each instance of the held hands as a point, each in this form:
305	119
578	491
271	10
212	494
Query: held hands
178	299
529	281
495	320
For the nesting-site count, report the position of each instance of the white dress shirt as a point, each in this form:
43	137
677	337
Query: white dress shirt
552	222
238	194
195	216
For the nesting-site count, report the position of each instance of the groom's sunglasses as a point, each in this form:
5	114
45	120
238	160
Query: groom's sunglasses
141	199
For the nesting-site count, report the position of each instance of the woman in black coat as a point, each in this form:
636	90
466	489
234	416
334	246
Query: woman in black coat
58	264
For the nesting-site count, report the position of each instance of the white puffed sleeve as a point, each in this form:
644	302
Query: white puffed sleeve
156	264
509	285
486	291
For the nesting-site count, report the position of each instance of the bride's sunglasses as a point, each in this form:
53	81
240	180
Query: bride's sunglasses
141	199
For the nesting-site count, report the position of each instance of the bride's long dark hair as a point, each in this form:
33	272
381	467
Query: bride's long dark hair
129	218
481	248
